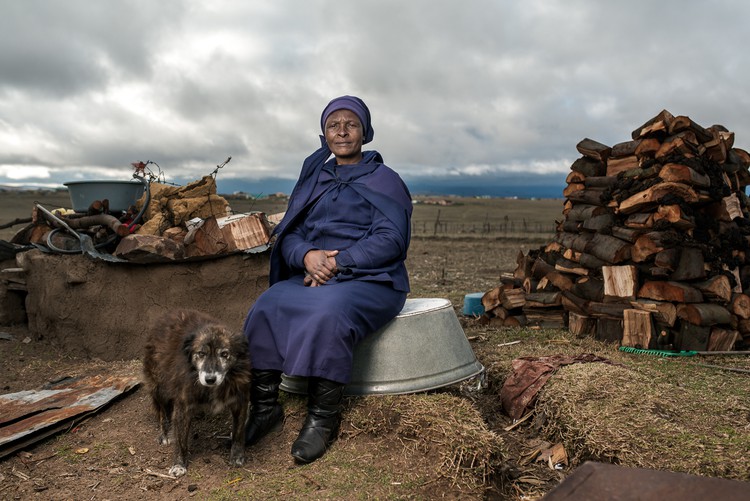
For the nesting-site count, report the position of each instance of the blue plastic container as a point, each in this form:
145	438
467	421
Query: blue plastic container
473	304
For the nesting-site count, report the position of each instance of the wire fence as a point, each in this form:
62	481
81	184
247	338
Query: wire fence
505	228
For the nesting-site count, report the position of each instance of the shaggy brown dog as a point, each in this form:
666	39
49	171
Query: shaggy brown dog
192	362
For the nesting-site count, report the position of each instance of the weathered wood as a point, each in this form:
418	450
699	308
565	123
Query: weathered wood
572	188
591	196
571	302
716	288
675	215
581	212
704	314
690	266
589	288
667	258
682	122
612	310
624	149
740	305
651	196
622	164
722	339
638	328
567	266
678	173
609	249
575	177
600	181
640	220
647	147
206	239
609	330
543	269
620	281
692	337
590	262
647	245
661	311
543	299
657	125
629	235
581	325
666	290
589	167
491	299
593	149
684	145
512	299
575	241
599	223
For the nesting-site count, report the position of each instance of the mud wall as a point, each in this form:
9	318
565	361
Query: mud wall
96	309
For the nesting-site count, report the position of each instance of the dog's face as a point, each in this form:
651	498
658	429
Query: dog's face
212	353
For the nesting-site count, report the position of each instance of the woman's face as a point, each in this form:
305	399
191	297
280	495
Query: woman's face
343	133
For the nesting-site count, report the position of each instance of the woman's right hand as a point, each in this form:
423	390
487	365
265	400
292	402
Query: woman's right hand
320	266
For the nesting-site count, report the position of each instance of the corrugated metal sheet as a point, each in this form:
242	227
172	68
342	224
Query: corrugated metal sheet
29	416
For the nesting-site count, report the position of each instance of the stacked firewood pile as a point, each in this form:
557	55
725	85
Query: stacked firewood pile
653	248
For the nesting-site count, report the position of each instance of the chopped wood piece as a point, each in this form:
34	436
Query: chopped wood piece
581	325
651	196
690	266
659	124
679	173
722	339
593	149
638	329
617	165
716	288
620	281
676	292
704	314
624	149
661	311
740	305
647	147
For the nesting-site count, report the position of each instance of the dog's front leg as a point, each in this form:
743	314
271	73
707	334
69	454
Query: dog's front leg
239	420
181	436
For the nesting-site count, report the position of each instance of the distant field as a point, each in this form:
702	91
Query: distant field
463	217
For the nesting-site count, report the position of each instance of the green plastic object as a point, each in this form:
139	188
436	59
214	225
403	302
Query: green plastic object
658	353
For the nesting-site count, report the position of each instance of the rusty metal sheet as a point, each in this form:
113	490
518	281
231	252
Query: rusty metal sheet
599	481
32	415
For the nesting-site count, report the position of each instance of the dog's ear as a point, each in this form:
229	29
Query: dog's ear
187	344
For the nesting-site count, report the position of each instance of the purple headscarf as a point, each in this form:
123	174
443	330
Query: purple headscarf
356	106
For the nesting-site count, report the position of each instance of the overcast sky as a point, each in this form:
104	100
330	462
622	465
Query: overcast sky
456	88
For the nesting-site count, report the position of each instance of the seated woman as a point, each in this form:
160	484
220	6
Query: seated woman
337	274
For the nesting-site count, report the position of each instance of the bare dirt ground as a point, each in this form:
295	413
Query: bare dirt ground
453	443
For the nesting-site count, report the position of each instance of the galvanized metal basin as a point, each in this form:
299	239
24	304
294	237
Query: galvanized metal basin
120	194
423	348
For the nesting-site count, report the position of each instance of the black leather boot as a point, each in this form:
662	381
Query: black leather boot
265	411
323	418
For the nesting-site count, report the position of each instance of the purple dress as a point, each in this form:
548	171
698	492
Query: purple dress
362	210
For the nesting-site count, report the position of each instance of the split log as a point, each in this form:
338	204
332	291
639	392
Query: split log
641	221
543	299
682	122
717	288
647	245
690	266
491	299
512	299
575	177
624	149
676	292
663	312
593	149
543	269
657	125
580	325
620	281
651	196
589	167
722	339
608	248
647	148
573	188
589	288
704	314
582	212
622	164
740	305
675	215
667	258
683	144
571	302
678	173
567	266
591	196
692	337
629	235
206	239
638	329
600	181
609	330
149	249
576	241
599	223
612	310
